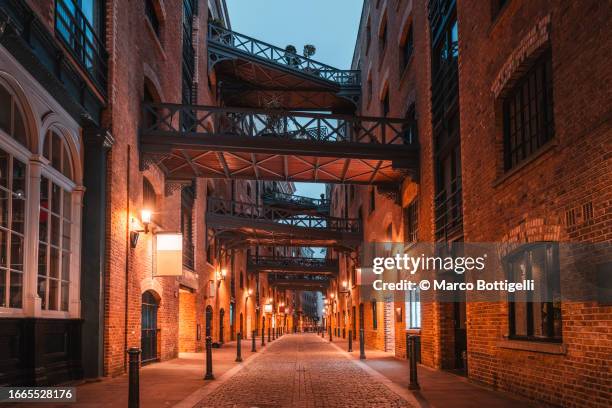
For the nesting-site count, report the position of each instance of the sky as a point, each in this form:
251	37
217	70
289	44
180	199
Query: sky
330	25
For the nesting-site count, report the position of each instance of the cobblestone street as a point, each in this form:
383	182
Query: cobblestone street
302	371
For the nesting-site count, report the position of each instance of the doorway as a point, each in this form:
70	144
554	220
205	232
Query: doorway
149	330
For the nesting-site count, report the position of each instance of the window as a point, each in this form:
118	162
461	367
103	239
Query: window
152	17
241	280
411	134
55	227
384	34
210	254
11	117
187	198
496	7
372	199
149	198
407	48
385	106
370	89
535	315
528	113
411	221
12	229
413	309
374	316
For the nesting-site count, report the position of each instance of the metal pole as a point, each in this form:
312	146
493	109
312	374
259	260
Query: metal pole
361	345
134	380
414	381
269	334
239	348
209	365
330	333
253	345
350	345
263	336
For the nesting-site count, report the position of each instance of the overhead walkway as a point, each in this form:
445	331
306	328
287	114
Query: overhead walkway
253	73
261	144
242	224
295	202
293	265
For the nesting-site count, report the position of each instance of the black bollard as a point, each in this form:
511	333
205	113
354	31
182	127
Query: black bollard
330	333
209	366
269	334
344	333
263	336
361	345
412	355
253	339
350	345
239	348
134	373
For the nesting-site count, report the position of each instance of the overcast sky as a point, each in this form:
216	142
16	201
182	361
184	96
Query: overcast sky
330	25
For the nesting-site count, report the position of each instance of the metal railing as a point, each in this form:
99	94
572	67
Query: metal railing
253	211
168	118
261	50
292	262
270	197
81	38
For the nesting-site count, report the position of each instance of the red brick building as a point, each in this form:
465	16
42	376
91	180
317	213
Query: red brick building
512	118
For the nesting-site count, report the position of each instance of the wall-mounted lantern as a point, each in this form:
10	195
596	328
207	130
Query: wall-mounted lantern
145	219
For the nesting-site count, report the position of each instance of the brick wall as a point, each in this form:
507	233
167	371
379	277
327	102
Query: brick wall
529	204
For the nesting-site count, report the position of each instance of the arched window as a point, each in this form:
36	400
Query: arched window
11	117
55	225
12	202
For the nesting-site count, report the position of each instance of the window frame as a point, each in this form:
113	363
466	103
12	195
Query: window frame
525	252
55	177
513	104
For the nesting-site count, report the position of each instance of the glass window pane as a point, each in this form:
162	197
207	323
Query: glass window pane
19	131
43	226
53	294
42	259
55	230
4	208
56	151
2	287
16	252
66	236
19	175
54	263
42	292
6	102
56	194
4	166
66	166
16	290
44	192
47	147
18	215
67	214
65	296
65	265
3	251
